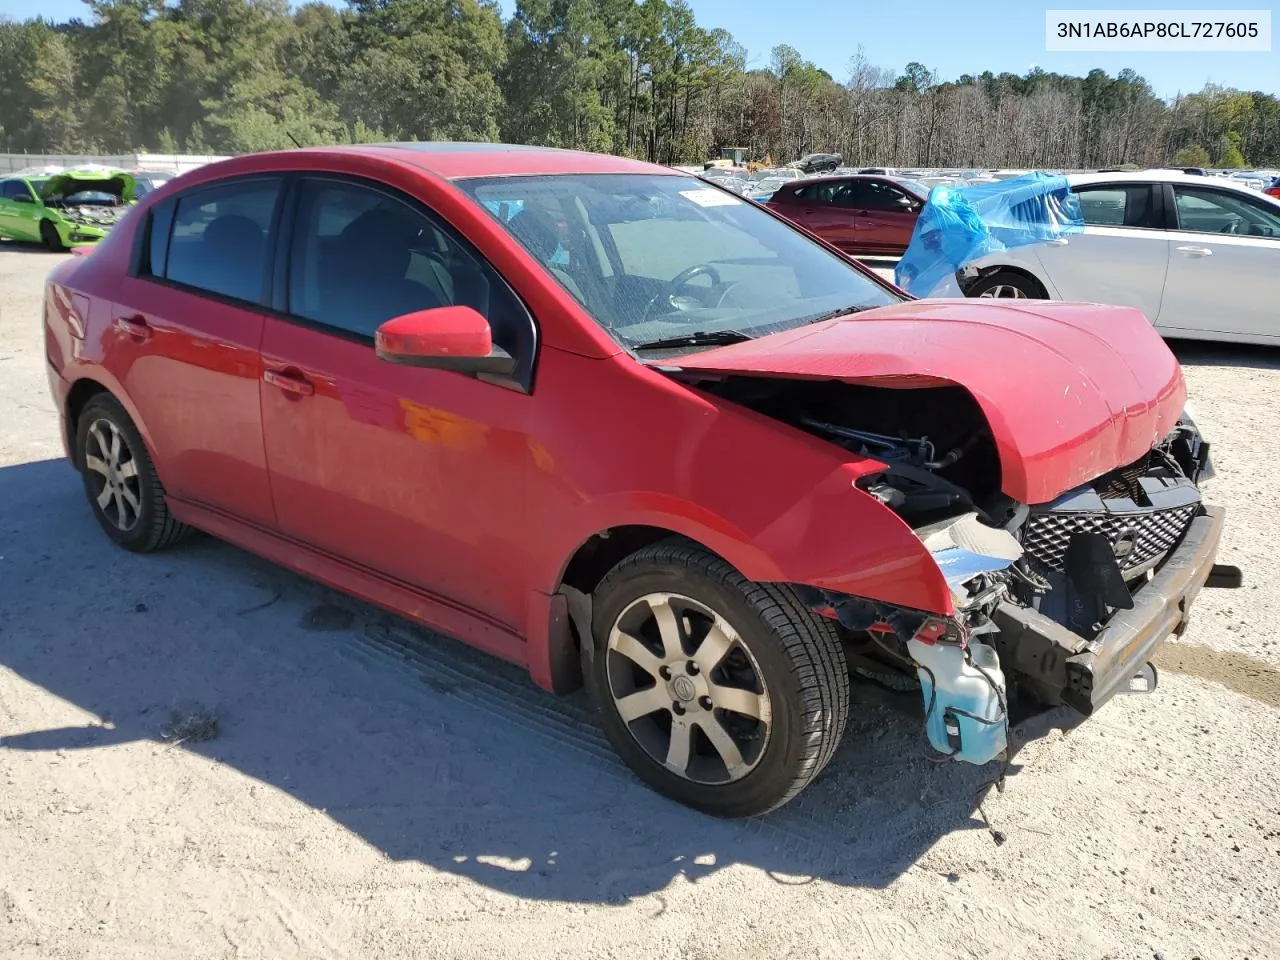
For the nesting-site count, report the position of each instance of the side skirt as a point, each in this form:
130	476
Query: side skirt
360	582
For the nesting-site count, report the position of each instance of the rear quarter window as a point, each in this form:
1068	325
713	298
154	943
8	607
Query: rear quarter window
218	241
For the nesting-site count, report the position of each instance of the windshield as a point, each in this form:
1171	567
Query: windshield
144	185
651	257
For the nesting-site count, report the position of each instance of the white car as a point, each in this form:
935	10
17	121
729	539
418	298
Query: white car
1200	256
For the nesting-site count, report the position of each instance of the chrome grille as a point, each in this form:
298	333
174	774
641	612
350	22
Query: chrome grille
1154	532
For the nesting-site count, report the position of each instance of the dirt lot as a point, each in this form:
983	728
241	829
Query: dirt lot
372	792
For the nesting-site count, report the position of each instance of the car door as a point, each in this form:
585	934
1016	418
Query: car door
188	323
1122	255
886	216
19	211
811	207
417	474
1224	269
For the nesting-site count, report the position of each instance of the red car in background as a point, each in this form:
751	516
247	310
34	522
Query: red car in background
860	214
1273	190
623	428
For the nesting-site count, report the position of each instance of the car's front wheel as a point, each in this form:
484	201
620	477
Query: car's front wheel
49	234
120	480
726	695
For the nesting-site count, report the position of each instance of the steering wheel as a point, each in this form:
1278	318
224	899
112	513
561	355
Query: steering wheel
672	296
697	270
1232	227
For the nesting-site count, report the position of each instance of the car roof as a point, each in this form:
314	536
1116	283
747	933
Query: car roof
460	160
821	177
1160	176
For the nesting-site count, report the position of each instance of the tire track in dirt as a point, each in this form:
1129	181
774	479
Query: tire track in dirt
503	692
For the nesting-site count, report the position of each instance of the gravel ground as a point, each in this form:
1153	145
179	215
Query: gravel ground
370	791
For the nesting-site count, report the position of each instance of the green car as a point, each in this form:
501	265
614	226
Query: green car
69	209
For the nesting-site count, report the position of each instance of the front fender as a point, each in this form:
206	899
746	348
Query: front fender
779	504
836	538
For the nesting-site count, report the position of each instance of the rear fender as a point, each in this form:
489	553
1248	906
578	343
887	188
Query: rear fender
76	373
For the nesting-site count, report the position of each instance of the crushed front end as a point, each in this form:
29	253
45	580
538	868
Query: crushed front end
1058	603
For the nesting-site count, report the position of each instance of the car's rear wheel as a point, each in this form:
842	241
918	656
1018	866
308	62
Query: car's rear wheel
120	480
726	695
49	234
1006	285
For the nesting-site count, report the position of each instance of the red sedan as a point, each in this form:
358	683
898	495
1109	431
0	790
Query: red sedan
859	214
625	428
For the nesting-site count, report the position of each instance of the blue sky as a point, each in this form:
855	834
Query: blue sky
951	36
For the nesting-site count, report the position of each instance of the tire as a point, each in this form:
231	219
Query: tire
766	654
49	234
121	483
1005	284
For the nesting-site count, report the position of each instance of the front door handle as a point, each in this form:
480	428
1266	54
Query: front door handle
135	327
1195	251
1057	242
289	381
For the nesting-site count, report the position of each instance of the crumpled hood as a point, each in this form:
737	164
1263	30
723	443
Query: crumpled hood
115	182
1070	390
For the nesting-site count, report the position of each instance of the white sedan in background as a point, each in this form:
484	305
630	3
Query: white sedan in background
1200	256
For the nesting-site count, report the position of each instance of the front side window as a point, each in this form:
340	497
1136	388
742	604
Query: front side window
361	256
881	196
218	242
1214	211
652	257
14	190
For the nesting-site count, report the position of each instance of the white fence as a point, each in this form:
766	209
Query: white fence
13	162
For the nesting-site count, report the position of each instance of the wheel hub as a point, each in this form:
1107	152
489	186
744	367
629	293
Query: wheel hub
698	707
682	689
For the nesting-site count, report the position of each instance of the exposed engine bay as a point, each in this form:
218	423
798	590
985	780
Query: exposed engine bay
1044	595
101	211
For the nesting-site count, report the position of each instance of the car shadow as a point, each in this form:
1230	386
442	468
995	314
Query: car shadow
21	246
420	746
1203	353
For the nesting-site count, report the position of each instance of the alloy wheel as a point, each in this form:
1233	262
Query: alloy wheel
111	467
687	688
1003	291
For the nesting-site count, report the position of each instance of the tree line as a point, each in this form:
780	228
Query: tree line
635	77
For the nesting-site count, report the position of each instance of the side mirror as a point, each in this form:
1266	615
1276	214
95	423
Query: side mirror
446	338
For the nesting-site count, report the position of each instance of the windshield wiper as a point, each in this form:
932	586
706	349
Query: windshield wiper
699	338
838	312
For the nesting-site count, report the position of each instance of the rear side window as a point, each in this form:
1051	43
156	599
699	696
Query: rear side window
1116	206
218	239
821	192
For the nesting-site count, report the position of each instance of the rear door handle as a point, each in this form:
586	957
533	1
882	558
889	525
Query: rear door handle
1195	251
290	382
135	327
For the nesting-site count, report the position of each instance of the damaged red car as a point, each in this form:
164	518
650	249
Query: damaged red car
628	430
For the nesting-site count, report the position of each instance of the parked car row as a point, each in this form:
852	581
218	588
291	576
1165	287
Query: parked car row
629	430
64	208
1199	256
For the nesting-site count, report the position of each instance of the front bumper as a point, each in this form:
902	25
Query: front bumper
1087	673
80	234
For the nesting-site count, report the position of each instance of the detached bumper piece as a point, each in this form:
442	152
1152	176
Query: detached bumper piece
1085	674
